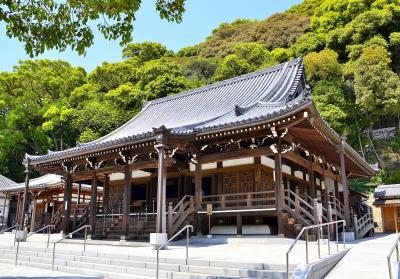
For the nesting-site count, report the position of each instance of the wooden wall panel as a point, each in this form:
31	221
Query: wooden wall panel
389	219
238	182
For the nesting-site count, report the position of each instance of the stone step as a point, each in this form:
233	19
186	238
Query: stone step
144	265
81	271
177	265
69	263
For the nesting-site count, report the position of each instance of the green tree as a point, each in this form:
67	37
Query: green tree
145	51
376	85
232	66
52	24
322	66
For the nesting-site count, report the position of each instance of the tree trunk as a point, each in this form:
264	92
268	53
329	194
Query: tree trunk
359	138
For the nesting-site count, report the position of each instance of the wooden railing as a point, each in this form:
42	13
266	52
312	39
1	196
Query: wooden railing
253	200
179	214
81	215
302	210
363	225
338	206
57	216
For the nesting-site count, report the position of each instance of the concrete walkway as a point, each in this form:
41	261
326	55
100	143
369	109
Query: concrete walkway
366	259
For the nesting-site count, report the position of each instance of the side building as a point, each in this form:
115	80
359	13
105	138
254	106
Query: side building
45	203
387	198
5	202
252	149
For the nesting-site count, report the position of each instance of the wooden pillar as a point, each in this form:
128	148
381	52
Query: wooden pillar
197	184
280	196
395	219
344	184
311	180
33	217
239	229
25	197
78	200
161	225
126	201
106	192
92	205
67	202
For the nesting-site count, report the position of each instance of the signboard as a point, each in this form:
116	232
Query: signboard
209	209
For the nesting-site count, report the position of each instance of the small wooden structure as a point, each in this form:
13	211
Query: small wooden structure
387	197
254	147
46	202
5	183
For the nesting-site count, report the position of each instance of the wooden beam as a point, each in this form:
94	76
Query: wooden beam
221	156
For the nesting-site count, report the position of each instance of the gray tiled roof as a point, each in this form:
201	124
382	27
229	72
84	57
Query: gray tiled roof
6	183
45	181
387	191
255	96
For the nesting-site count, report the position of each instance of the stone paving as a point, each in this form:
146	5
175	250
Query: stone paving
366	259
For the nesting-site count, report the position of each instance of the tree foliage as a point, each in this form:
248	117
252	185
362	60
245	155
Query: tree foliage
51	24
351	52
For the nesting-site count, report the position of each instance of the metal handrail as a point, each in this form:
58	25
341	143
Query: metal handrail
32	233
187	227
7	229
67	236
319	226
395	246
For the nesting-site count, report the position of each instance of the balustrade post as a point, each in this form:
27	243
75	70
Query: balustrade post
330	217
170	220
355	226
315	212
223	201
297	202
249	201
315	215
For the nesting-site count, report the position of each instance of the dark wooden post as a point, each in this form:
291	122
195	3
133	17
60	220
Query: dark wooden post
106	193
239	230
197	184
93	198
280	195
344	184
67	202
25	198
170	220
126	202
78	200
311	180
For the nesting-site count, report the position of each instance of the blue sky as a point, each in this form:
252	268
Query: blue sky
200	18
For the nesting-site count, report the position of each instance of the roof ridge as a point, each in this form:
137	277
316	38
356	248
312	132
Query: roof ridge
226	81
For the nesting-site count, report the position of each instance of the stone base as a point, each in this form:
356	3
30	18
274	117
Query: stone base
20	235
349	236
158	239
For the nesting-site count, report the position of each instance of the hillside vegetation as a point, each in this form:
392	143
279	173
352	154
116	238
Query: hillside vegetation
351	51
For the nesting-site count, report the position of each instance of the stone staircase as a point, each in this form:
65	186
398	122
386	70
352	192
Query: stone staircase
108	265
138	229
